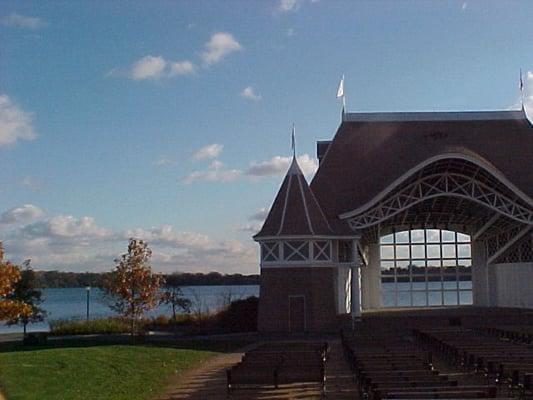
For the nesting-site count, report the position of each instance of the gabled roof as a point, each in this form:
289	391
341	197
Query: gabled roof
295	211
370	151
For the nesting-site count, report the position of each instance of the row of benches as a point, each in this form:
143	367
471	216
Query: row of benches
386	366
501	361
273	364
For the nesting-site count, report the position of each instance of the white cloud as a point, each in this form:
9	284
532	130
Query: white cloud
23	21
464	6
279	165
164	160
148	67
250	228
15	123
76	244
249	93
214	173
219	46
289	5
154	67
66	226
181	68
528	94
259	215
23	213
31	183
208	151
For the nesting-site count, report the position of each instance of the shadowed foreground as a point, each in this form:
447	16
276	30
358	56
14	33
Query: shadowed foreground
209	382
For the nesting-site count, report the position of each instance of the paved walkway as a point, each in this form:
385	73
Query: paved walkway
209	382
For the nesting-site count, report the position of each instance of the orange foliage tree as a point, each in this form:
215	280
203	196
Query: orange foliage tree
133	286
9	276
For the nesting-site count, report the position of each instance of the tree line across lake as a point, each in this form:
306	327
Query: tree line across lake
58	279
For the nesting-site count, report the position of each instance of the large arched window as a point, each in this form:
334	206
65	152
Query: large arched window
425	267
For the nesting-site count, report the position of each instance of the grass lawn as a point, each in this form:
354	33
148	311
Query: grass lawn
77	370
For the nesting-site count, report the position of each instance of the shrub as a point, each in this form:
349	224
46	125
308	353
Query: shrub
93	326
240	316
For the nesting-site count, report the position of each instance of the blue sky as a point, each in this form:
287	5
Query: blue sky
171	120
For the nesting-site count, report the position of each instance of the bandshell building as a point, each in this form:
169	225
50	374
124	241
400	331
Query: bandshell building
417	209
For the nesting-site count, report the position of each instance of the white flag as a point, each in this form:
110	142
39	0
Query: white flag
340	90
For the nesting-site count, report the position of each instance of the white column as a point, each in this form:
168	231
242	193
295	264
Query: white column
371	279
356	282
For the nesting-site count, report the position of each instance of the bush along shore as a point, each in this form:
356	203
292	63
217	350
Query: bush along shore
238	316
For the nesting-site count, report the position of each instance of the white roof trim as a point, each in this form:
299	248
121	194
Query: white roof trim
435	116
285	205
490	169
300	177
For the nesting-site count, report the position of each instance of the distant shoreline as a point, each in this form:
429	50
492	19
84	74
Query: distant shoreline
59	279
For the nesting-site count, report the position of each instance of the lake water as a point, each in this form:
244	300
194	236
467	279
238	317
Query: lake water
71	303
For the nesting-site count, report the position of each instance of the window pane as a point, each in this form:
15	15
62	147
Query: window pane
387	252
465	297
387	239
433	235
435	298
418	268
465	284
464	250
402	237
449	285
448	251
433	251
404	299
448	236
402	252
450	298
388	299
462	238
418	251
419	299
417	236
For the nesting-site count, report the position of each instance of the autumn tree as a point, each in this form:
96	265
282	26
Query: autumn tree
133	286
26	291
9	276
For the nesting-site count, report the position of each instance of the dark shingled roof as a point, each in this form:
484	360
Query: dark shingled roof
295	210
371	150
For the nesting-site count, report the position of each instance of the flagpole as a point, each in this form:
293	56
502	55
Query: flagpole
521	86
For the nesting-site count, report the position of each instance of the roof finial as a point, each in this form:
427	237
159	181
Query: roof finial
293	145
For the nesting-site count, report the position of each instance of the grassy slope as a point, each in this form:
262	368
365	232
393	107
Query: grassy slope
98	372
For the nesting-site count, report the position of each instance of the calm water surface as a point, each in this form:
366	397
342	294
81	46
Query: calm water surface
71	303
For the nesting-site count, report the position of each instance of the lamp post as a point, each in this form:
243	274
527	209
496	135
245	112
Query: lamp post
88	290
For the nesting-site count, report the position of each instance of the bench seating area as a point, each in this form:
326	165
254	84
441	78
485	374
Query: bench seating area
501	360
274	364
386	366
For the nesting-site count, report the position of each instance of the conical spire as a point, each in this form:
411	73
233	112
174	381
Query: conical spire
295	211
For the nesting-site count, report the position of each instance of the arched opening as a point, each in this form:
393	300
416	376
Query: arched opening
425	267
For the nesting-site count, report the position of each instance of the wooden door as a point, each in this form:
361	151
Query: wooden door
296	314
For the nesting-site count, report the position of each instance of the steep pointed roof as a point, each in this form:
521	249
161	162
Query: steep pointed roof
295	210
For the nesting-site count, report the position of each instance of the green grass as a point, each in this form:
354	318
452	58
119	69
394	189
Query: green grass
81	370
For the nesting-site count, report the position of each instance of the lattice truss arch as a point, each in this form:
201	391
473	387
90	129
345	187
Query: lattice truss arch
507	235
439	185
